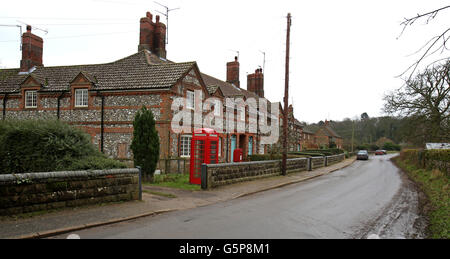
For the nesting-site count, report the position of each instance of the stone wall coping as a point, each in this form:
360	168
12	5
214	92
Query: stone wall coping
252	162
336	155
66	174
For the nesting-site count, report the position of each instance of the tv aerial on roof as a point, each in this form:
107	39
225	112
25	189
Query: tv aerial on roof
264	60
34	27
237	52
18	26
166	14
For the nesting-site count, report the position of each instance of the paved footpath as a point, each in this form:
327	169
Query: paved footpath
72	219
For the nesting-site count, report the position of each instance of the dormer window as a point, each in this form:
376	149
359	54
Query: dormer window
81	97
30	99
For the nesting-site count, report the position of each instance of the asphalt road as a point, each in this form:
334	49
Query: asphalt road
368	197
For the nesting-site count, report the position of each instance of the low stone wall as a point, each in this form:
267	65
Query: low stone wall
223	174
335	159
23	193
215	175
296	165
317	162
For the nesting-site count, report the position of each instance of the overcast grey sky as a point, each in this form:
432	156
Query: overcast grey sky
344	54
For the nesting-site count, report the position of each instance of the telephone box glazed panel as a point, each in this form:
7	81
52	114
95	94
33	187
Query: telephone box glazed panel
204	150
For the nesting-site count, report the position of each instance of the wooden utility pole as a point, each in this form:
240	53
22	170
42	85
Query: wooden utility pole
286	98
353	133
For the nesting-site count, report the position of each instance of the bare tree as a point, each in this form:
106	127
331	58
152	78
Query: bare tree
425	99
438	43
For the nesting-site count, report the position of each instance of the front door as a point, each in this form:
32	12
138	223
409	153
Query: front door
233	146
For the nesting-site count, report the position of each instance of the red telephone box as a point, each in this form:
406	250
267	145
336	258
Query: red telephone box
204	149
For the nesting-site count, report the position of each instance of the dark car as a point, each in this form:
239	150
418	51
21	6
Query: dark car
362	155
380	152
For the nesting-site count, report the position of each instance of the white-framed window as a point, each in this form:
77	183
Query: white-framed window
242	114
217	108
81	97
190	99
185	146
30	99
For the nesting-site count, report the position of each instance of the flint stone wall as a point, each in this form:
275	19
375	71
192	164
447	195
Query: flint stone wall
215	175
23	193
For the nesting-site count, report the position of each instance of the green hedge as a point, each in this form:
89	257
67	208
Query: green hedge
428	159
307	153
265	157
439	155
331	151
45	146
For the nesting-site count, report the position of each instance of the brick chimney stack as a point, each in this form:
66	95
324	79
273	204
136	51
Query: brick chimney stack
255	82
233	72
32	48
152	35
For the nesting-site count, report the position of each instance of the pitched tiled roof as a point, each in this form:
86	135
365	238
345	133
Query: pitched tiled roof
142	70
332	132
297	122
310	129
212	89
228	90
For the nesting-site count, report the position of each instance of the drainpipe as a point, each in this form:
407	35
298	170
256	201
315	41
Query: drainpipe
102	128
228	136
58	113
5	98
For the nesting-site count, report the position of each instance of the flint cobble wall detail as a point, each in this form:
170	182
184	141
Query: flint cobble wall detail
23	193
334	159
317	162
119	112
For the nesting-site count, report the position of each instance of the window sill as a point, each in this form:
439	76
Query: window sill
81	107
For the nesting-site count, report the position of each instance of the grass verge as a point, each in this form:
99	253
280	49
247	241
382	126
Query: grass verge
436	186
162	194
179	181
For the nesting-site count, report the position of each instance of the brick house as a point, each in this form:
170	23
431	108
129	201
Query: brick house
325	136
102	99
248	142
307	140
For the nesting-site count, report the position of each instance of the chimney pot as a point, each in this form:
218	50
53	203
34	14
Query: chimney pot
233	72
152	35
31	51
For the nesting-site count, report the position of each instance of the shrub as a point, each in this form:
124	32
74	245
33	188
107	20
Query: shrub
312	153
391	146
373	147
428	159
266	157
326	152
145	144
47	145
98	162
